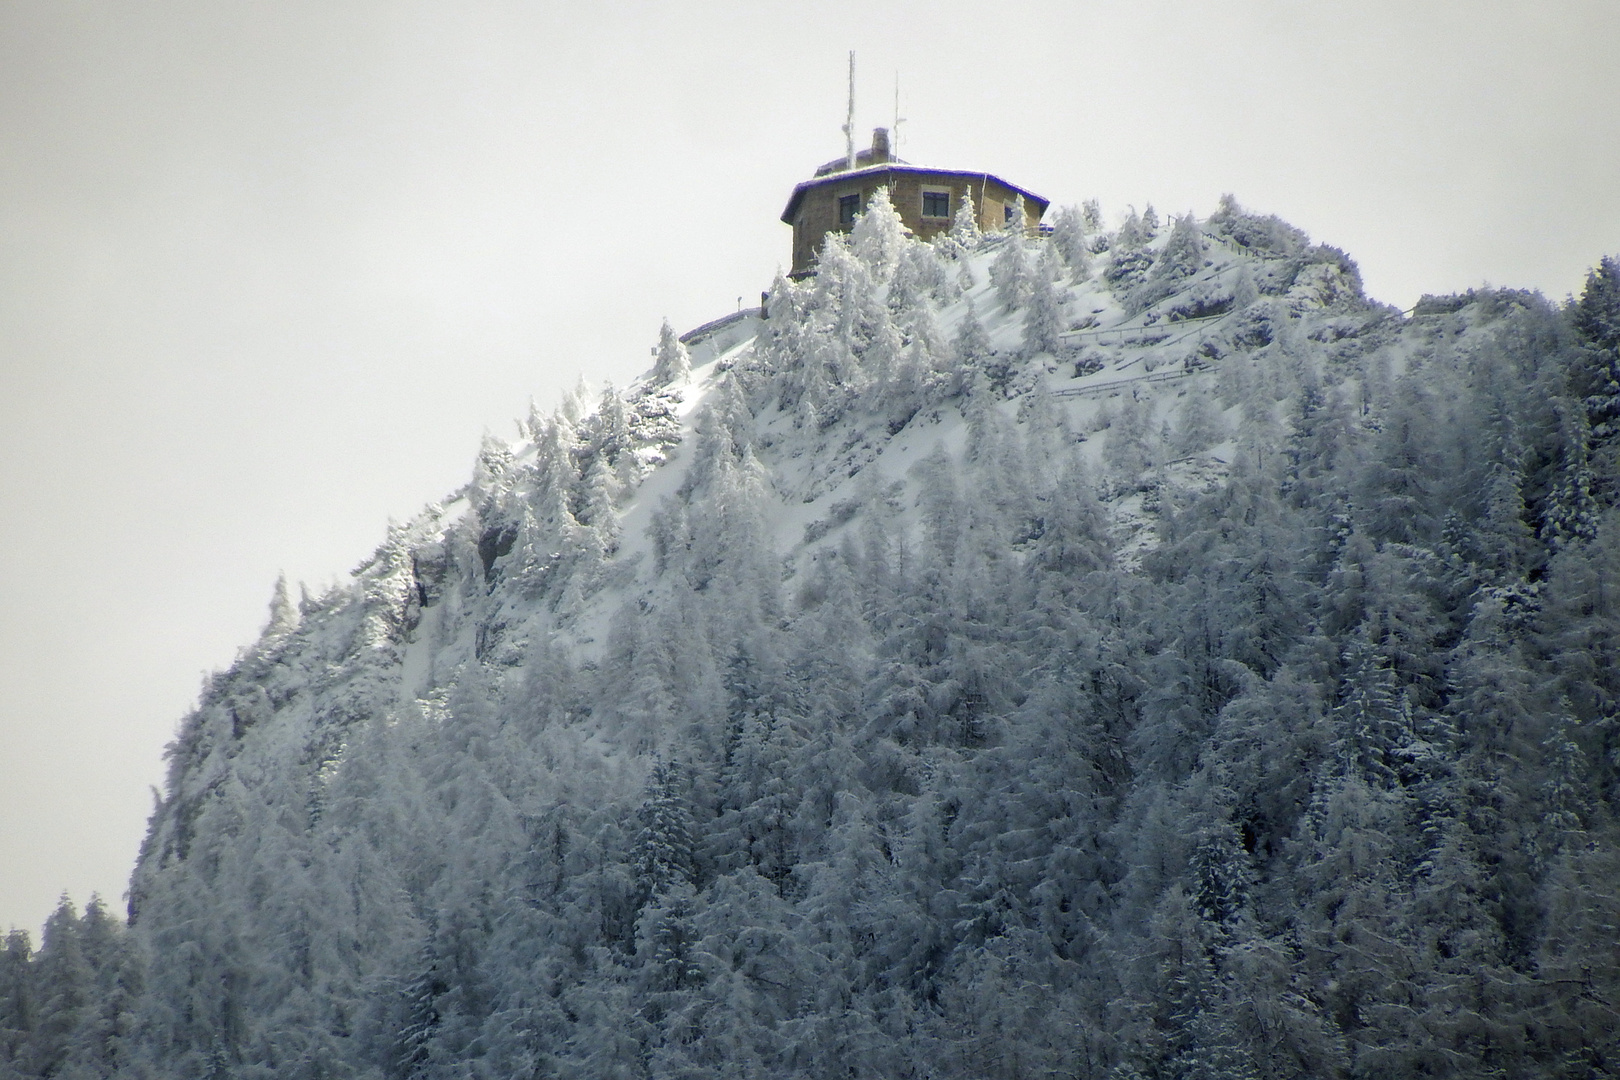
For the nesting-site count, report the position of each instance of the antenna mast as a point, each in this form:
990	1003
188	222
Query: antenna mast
849	122
894	146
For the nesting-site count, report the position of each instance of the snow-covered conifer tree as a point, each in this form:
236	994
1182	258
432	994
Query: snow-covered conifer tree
1198	426
1130	235
1091	214
1596	374
491	469
1043	316
61	991
971	345
878	236
664	848
1130	447
1069	237
555	474
283	616
1571	511
600	498
610	433
965	224
672	364
16	997
1183	253
1374	716
906	288
1011	273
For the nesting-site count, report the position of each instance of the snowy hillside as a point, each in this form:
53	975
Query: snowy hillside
1118	653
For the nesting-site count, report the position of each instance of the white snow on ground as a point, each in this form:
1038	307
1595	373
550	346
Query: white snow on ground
1114	358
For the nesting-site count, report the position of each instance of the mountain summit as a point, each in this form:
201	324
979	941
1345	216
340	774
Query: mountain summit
1119	652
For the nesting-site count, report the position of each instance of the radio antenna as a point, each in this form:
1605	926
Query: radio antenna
849	121
894	148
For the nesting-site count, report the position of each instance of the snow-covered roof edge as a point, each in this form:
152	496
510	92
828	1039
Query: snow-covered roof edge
892	167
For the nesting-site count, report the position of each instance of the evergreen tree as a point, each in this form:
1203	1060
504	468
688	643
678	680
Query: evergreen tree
1011	273
971	346
1183	253
1571	513
878	237
420	1001
63	983
965	225
1091	215
283	616
1043	317
671	363
1374	716
1150	223
1597	313
664	848
1594	375
1131	234
16	1004
1069	238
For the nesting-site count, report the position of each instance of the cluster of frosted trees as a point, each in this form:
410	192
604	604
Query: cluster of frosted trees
1325	785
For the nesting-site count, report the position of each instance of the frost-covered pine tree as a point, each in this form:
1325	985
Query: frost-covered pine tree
1183	253
283	615
610	431
1011	273
599	500
1571	514
1596	376
555	474
878	236
1374	717
491	470
965	224
16	997
1199	425
673	364
1150	223
1131	446
1091	214
664	848
907	288
1069	238
971	345
1043	314
1131	235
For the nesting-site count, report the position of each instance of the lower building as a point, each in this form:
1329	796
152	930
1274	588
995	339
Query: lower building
926	199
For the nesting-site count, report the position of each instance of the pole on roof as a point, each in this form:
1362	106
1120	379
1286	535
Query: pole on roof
849	121
894	144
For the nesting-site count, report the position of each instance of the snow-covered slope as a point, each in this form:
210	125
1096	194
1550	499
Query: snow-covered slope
996	657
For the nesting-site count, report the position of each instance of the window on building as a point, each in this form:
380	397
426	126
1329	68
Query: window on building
1007	211
936	204
848	207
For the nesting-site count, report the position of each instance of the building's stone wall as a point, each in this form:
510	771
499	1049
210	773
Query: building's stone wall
816	213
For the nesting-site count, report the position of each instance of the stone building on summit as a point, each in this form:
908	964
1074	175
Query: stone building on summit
926	199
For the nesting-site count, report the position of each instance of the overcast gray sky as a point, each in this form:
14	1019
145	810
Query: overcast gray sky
267	270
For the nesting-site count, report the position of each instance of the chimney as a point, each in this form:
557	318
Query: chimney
880	145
